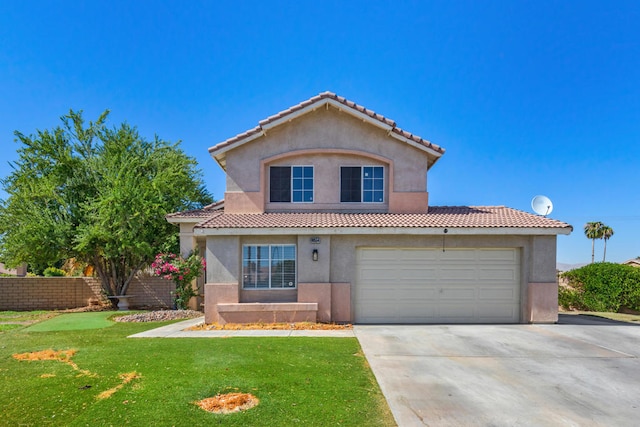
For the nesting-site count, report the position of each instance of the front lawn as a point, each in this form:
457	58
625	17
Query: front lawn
114	380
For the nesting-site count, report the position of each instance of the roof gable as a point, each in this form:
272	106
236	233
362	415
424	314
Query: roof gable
326	99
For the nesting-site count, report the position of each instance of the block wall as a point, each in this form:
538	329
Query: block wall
55	293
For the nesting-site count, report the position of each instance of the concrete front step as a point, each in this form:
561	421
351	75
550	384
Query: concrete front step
267	312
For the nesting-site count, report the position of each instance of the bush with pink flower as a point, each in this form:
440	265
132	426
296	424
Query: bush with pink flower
182	271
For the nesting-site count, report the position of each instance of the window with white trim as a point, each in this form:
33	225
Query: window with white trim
268	266
362	184
291	184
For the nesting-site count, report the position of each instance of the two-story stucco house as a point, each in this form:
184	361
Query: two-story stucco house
326	217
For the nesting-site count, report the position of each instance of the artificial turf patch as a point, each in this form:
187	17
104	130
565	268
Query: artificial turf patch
74	322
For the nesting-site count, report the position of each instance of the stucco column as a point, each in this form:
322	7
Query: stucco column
542	287
187	245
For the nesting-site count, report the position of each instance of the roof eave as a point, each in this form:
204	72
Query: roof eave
218	152
184	220
434	154
439	231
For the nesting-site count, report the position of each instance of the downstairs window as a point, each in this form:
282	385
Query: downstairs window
269	266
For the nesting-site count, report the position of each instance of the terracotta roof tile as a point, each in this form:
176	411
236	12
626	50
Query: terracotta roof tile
341	100
437	217
215	208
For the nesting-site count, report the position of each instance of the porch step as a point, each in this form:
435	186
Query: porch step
274	312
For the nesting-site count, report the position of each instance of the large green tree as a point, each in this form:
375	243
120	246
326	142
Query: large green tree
96	194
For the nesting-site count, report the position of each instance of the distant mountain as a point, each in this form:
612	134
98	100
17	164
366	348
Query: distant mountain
561	266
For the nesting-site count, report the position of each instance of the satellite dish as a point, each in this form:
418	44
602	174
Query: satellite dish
542	205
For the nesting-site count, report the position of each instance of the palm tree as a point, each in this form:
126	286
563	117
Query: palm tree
593	231
607	232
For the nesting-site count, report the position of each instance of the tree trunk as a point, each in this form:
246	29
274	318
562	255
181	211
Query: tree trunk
604	254
593	248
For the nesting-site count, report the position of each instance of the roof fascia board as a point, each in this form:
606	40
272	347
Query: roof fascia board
414	144
185	220
439	231
217	152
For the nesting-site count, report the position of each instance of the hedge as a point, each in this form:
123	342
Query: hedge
602	286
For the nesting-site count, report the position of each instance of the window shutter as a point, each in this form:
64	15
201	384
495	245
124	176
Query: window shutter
280	183
350	184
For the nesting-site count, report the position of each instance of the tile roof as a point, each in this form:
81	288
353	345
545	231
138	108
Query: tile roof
318	98
437	217
215	208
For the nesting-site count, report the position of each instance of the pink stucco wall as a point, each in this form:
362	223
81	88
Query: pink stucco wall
542	304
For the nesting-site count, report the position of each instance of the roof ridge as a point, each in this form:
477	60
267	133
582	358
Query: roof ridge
340	99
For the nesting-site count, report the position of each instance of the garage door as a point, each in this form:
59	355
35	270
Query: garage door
400	285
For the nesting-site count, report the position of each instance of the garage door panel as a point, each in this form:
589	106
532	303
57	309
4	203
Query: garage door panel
457	255
496	311
468	294
378	274
415	255
455	311
503	255
378	255
396	285
498	294
493	273
452	274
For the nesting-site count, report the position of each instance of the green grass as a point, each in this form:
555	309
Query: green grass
25	316
299	381
74	322
10	320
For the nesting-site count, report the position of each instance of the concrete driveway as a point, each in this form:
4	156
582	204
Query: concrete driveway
580	372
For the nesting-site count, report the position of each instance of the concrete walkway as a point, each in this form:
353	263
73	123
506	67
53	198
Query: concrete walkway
178	330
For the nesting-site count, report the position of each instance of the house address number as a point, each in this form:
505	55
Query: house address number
315	240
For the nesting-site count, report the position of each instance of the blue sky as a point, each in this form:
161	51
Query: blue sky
527	97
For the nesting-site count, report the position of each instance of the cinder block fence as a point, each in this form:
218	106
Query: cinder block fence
54	293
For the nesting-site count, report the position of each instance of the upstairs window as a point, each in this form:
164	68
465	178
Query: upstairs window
362	184
291	184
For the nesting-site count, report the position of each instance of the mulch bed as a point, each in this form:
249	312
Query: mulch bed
299	326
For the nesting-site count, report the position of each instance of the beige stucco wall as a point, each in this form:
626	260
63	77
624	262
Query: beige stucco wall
187	239
337	263
322	131
223	259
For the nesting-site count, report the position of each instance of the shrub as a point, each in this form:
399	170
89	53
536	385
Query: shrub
601	287
182	271
53	272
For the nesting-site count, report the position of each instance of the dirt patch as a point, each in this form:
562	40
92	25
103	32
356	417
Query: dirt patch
299	326
228	403
126	379
63	356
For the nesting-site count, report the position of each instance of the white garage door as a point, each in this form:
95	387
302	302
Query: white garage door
398	285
